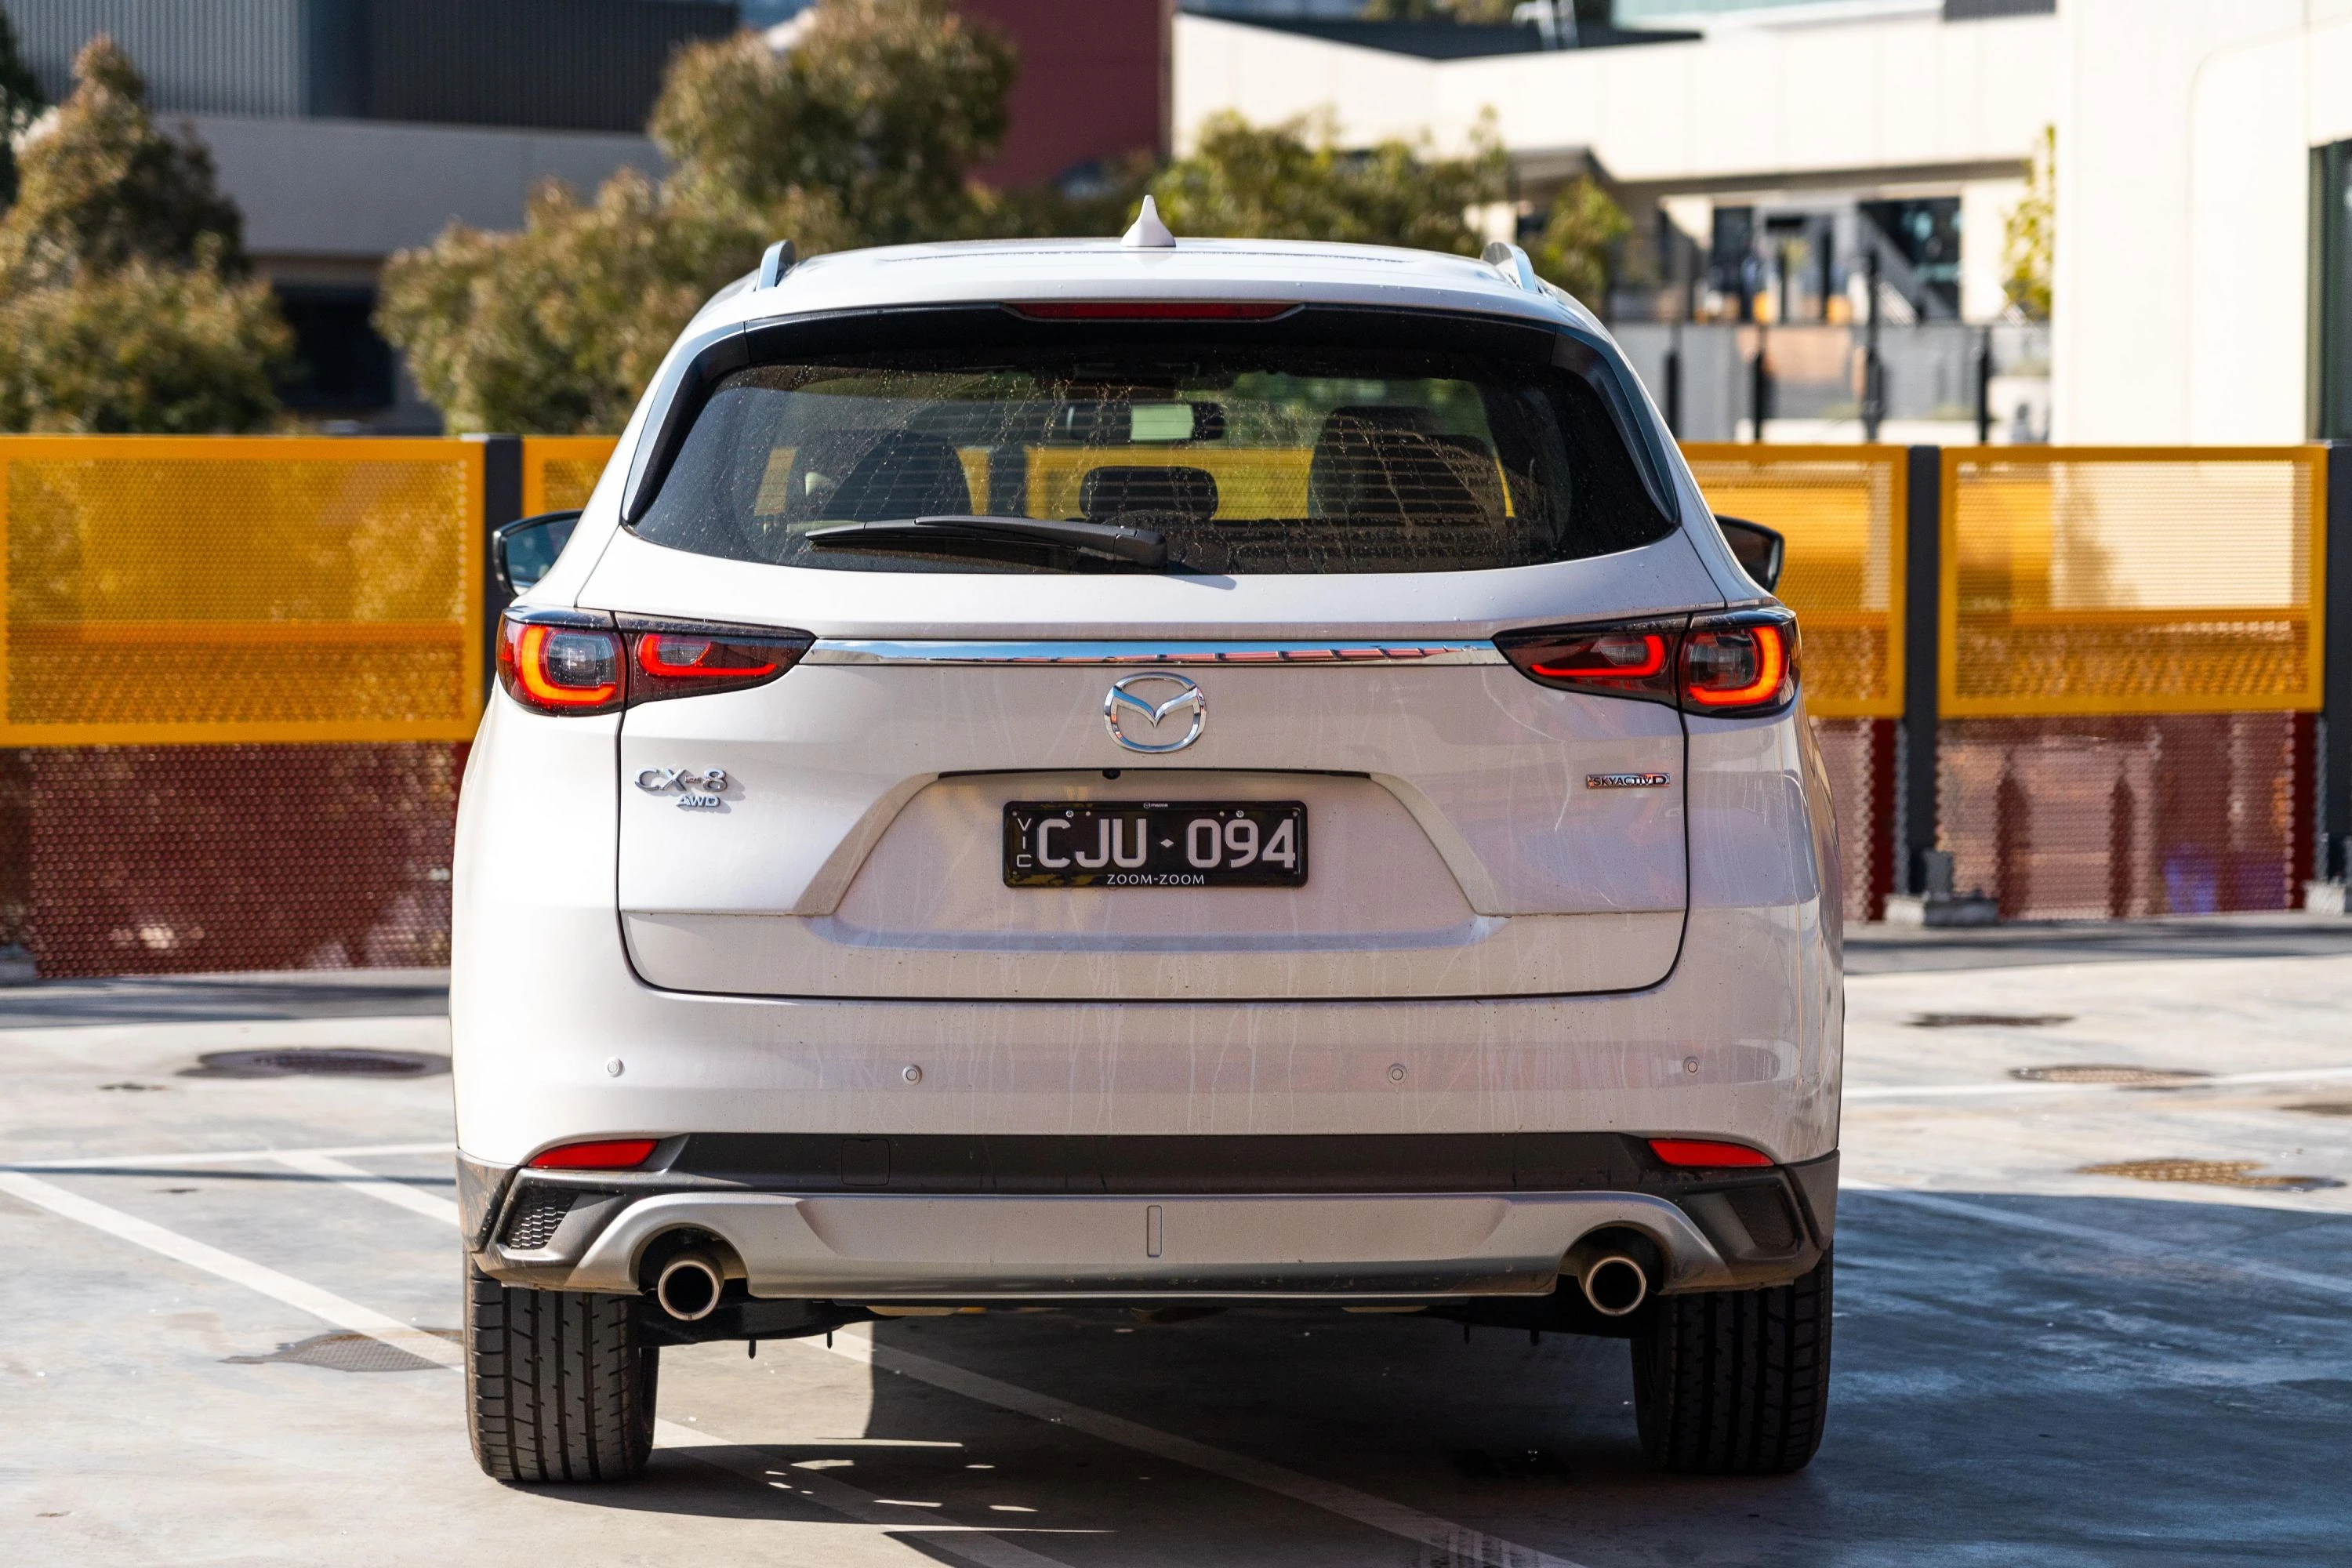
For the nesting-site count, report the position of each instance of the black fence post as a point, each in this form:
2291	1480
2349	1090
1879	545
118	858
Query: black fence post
1760	385
2335	671
1874	370
1984	389
1922	576
501	504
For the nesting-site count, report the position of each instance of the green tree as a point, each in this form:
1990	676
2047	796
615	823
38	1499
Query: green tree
21	102
863	132
2030	237
145	348
124	299
1580	239
98	183
1293	181
555	329
882	106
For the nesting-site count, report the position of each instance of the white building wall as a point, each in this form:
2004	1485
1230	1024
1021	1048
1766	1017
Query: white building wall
2182	282
1877	93
360	189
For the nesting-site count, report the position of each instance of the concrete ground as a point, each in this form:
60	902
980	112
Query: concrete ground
219	1355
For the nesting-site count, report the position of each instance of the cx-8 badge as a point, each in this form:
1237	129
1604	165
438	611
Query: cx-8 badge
1141	701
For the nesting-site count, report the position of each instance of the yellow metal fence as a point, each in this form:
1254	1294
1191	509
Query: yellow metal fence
169	589
2131	580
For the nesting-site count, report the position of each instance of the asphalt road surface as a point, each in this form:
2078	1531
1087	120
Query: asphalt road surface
230	1325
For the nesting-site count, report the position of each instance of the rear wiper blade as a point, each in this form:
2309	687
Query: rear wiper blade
1142	546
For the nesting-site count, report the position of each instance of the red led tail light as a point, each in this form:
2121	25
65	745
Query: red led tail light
573	661
1745	662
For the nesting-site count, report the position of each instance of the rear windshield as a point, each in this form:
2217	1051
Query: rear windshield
1245	460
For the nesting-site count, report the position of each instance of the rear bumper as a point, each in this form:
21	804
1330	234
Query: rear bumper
1713	1230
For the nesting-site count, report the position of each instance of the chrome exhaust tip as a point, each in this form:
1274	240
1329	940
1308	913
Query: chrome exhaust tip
688	1286
1614	1284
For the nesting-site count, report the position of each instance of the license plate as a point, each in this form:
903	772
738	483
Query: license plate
1156	843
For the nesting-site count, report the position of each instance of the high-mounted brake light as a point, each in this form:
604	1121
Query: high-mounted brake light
571	661
1707	1152
1152	310
1738	663
604	1154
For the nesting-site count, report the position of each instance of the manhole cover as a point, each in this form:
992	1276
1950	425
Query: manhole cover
351	1353
2109	1072
1990	1020
2209	1173
336	1062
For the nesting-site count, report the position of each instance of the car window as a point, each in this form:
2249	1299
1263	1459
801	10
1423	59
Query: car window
1275	459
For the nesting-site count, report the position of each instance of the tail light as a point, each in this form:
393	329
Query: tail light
573	661
1740	663
604	1154
1636	659
1707	1152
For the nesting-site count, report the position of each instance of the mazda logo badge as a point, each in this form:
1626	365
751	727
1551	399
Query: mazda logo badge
1130	705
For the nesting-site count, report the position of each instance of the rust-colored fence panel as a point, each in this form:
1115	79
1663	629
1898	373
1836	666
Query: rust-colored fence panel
558	472
214	590
152	859
2131	580
2128	816
1842	509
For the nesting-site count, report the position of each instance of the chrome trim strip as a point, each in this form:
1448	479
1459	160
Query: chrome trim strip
831	650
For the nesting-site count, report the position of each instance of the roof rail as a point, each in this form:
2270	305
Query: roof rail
778	262
1512	262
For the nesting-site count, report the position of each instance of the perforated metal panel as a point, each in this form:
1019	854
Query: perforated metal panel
2122	580
559	471
1841	509
2117	817
166	590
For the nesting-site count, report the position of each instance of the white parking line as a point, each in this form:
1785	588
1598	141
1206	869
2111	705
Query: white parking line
284	1287
971	1542
1459	1543
224	1156
345	1174
2221	1080
1990	1213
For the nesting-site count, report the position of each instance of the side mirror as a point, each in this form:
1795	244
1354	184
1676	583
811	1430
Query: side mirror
522	552
1759	550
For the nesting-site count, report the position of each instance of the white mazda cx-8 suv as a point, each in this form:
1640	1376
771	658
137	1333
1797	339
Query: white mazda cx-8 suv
1145	775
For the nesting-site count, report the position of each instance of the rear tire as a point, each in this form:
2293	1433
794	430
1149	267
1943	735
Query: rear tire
1736	1382
561	1386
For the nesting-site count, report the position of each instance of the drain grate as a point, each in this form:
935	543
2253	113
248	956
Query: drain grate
341	1061
350	1352
2323	1108
2111	1072
2209	1173
1989	1020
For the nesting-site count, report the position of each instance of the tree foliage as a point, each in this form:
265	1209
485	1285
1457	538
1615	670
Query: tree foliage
21	102
556	329
2030	237
1292	180
878	107
124	300
862	131
1580	239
